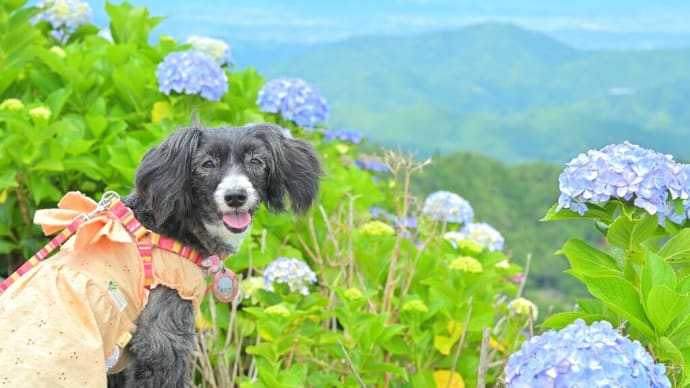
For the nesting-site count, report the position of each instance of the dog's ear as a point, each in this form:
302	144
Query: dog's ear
295	170
163	178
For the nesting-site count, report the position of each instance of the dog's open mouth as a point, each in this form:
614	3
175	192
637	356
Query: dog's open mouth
237	221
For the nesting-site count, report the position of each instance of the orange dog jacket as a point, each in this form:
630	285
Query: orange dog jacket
66	320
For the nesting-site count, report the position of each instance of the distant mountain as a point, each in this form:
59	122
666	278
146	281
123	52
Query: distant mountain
507	92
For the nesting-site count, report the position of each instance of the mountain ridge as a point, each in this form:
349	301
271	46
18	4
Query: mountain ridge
522	87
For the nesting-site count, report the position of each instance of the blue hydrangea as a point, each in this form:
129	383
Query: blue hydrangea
444	206
293	272
344	135
64	15
371	165
192	72
379	213
584	356
623	171
484	234
217	49
295	100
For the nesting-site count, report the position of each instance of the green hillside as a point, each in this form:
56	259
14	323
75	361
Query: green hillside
495	88
513	199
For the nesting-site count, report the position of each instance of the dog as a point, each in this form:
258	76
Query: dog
201	187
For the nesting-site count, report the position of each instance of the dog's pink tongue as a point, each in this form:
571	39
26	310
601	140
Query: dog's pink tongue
237	220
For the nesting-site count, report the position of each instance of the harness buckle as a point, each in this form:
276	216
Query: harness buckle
104	204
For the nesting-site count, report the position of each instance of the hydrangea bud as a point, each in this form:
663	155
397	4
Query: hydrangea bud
466	264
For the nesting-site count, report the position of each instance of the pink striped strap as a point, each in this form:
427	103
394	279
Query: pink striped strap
43	253
111	202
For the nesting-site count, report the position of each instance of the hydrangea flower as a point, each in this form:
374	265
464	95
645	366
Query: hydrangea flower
627	172
192	72
459	241
59	51
40	114
415	306
380	213
444	206
377	229
581	355
295	273
277	311
523	306
353	294
64	15
343	135
217	49
12	104
295	100
484	234
370	164
466	264
249	286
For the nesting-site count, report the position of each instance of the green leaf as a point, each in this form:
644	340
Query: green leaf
43	189
621	296
588	261
656	271
8	179
11	5
684	285
629	233
663	306
666	351
57	99
677	248
604	214
591	306
387	367
130	24
560	320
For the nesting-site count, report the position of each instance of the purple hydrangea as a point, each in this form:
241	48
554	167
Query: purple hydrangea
444	206
64	15
371	165
623	171
192	72
582	356
379	213
484	234
293	272
295	100
344	135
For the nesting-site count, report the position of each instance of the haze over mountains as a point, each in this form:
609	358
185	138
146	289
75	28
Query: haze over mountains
501	90
434	76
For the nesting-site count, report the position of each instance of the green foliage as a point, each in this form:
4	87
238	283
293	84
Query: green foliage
388	307
87	112
643	286
513	199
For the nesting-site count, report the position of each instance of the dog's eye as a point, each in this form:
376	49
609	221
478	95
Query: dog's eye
256	162
208	164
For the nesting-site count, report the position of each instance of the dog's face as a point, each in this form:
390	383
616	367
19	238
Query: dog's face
210	181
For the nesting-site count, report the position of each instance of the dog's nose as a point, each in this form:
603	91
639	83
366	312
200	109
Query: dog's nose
236	198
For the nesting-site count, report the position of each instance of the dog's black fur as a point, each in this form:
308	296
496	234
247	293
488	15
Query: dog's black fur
185	189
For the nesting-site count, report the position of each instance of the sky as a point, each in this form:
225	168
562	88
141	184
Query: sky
640	22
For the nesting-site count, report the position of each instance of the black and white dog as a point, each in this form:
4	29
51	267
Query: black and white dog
201	187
